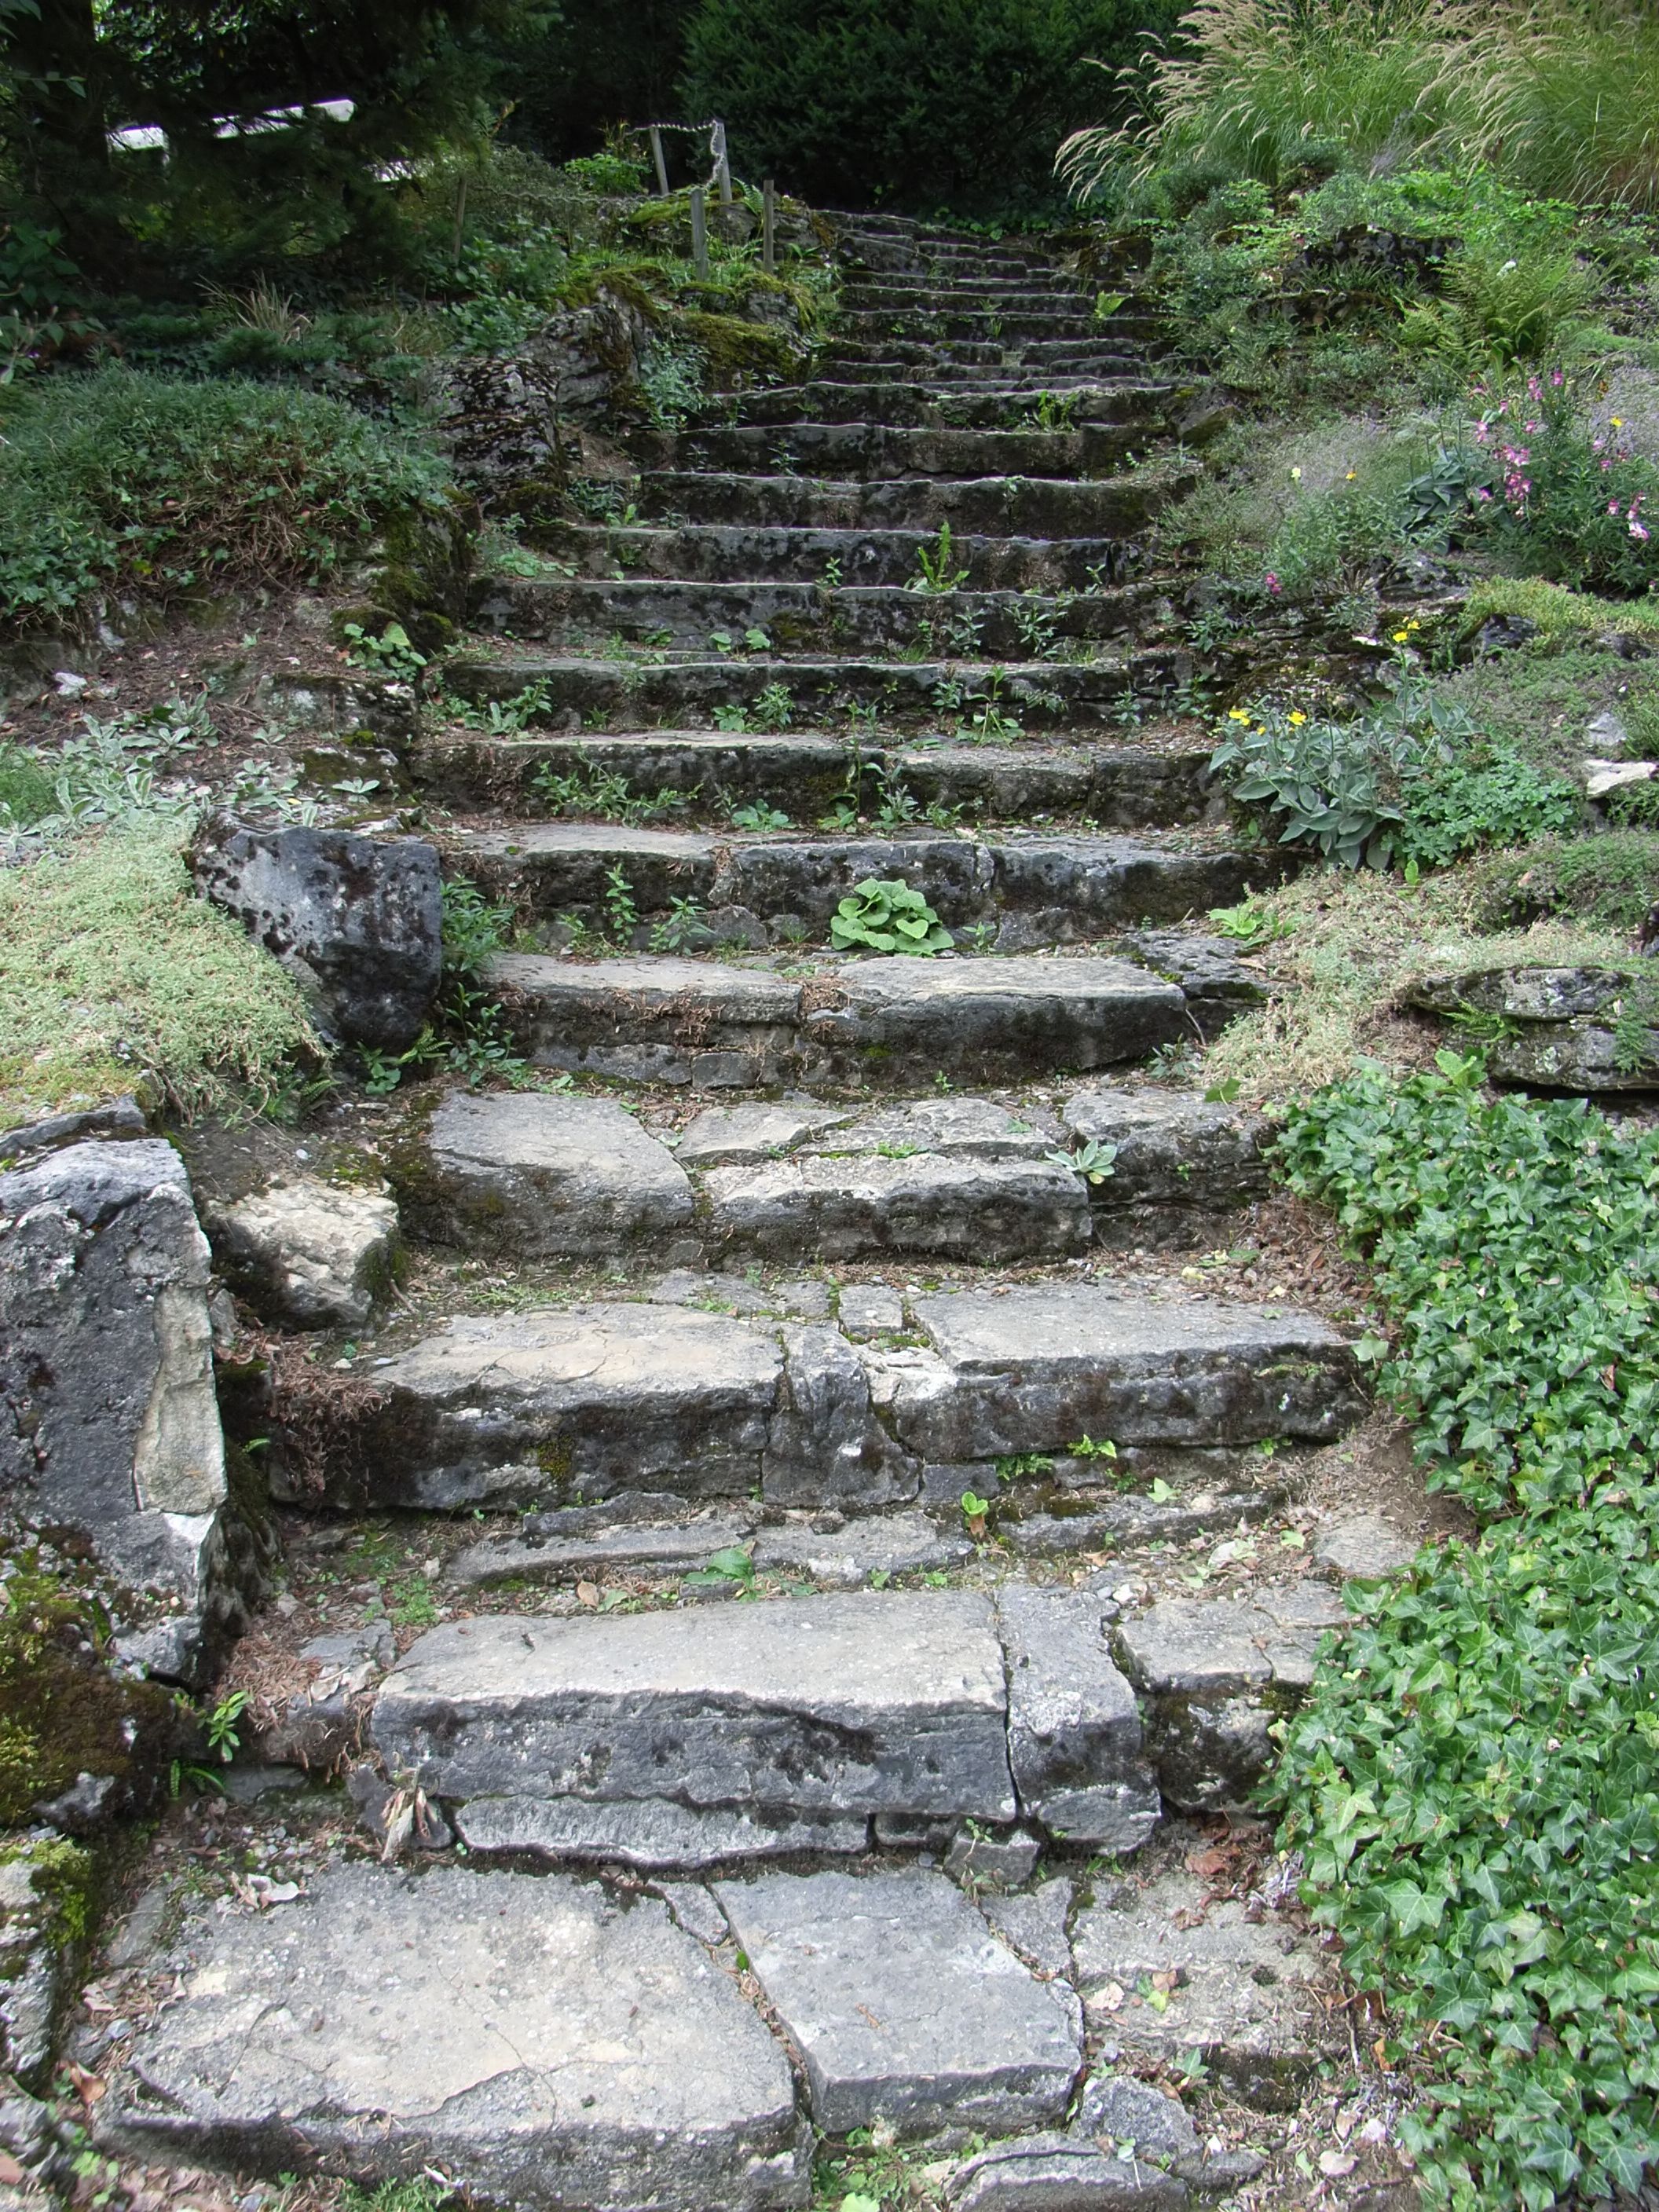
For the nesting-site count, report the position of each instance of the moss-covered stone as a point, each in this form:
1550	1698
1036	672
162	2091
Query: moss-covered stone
48	1910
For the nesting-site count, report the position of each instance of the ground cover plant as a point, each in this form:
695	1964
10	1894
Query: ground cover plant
1472	1782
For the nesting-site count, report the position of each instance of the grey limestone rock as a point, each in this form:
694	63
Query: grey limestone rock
1363	1545
1033	1369
877	1543
540	2045
903	2006
869	1309
843	1207
309	1253
109	1425
1559	1028
544	1176
977	1856
1213	1674
826	1445
846	1705
1057	2173
748	1136
1074	1737
694	1910
651	1831
1241	1993
667	1547
357	920
1174	1150
39	1955
1118	2108
1033	1921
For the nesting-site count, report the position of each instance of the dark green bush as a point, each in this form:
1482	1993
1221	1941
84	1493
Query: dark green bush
923	104
1489	796
153	485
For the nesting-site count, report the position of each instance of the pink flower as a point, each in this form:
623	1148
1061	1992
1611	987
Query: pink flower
1556	377
1273	583
1640	531
1480	492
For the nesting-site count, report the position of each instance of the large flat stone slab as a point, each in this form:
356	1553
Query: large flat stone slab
1074	1729
536	1406
541	1176
845	1703
1237	1991
651	1831
539	2043
842	1208
904	2007
1035	1368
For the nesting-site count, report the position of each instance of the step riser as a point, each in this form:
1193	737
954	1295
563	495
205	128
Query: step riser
906	407
720	554
597	1401
855	449
988	327
806	777
993	506
681	694
1045	893
798	618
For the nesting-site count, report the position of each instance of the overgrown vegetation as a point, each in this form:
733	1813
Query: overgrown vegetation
1472	1784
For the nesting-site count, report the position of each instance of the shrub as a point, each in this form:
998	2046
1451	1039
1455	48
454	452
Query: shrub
129	481
1569	503
1472	1782
1490	797
940	103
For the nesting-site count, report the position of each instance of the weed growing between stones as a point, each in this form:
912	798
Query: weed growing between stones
1472	1784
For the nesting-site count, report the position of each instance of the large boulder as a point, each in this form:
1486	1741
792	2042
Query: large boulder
1553	1028
109	1426
357	922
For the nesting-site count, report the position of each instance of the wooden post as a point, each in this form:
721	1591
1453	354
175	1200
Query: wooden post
699	233
658	162
722	166
769	226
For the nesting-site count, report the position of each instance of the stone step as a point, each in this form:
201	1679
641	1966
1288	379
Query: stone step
721	1733
1035	889
939	694
963	364
674	772
380	2025
606	1399
1001	404
1029	292
894	1021
722	554
1052	326
810	617
992	505
874	452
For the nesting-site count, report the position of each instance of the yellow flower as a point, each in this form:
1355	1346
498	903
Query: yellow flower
1294	717
1413	623
1296	476
1401	635
1236	714
1352	474
1618	421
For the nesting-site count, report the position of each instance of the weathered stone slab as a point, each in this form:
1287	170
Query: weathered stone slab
309	1253
904	2007
851	1704
1556	1029
1074	1739
542	1177
1057	2174
357	920
1118	2109
45	1884
109	1425
1034	1369
1239	1991
655	1020
746	1136
537	2044
1174	1150
842	1208
664	1547
1033	1923
868	1310
589	1399
877	1543
1364	1546
975	1128
651	1831
1214	1674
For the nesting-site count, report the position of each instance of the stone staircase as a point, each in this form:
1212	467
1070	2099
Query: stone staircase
712	1344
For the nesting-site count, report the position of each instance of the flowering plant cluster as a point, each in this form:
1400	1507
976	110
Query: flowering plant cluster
1567	502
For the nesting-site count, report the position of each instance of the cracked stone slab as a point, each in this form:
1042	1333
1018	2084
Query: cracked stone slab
543	1175
843	1703
1241	1993
748	1136
310	1254
845	1206
1214	1674
651	1831
1034	1368
588	1398
975	1127
905	2008
1057	2173
869	1309
540	2045
1033	1923
826	1445
1074	1737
